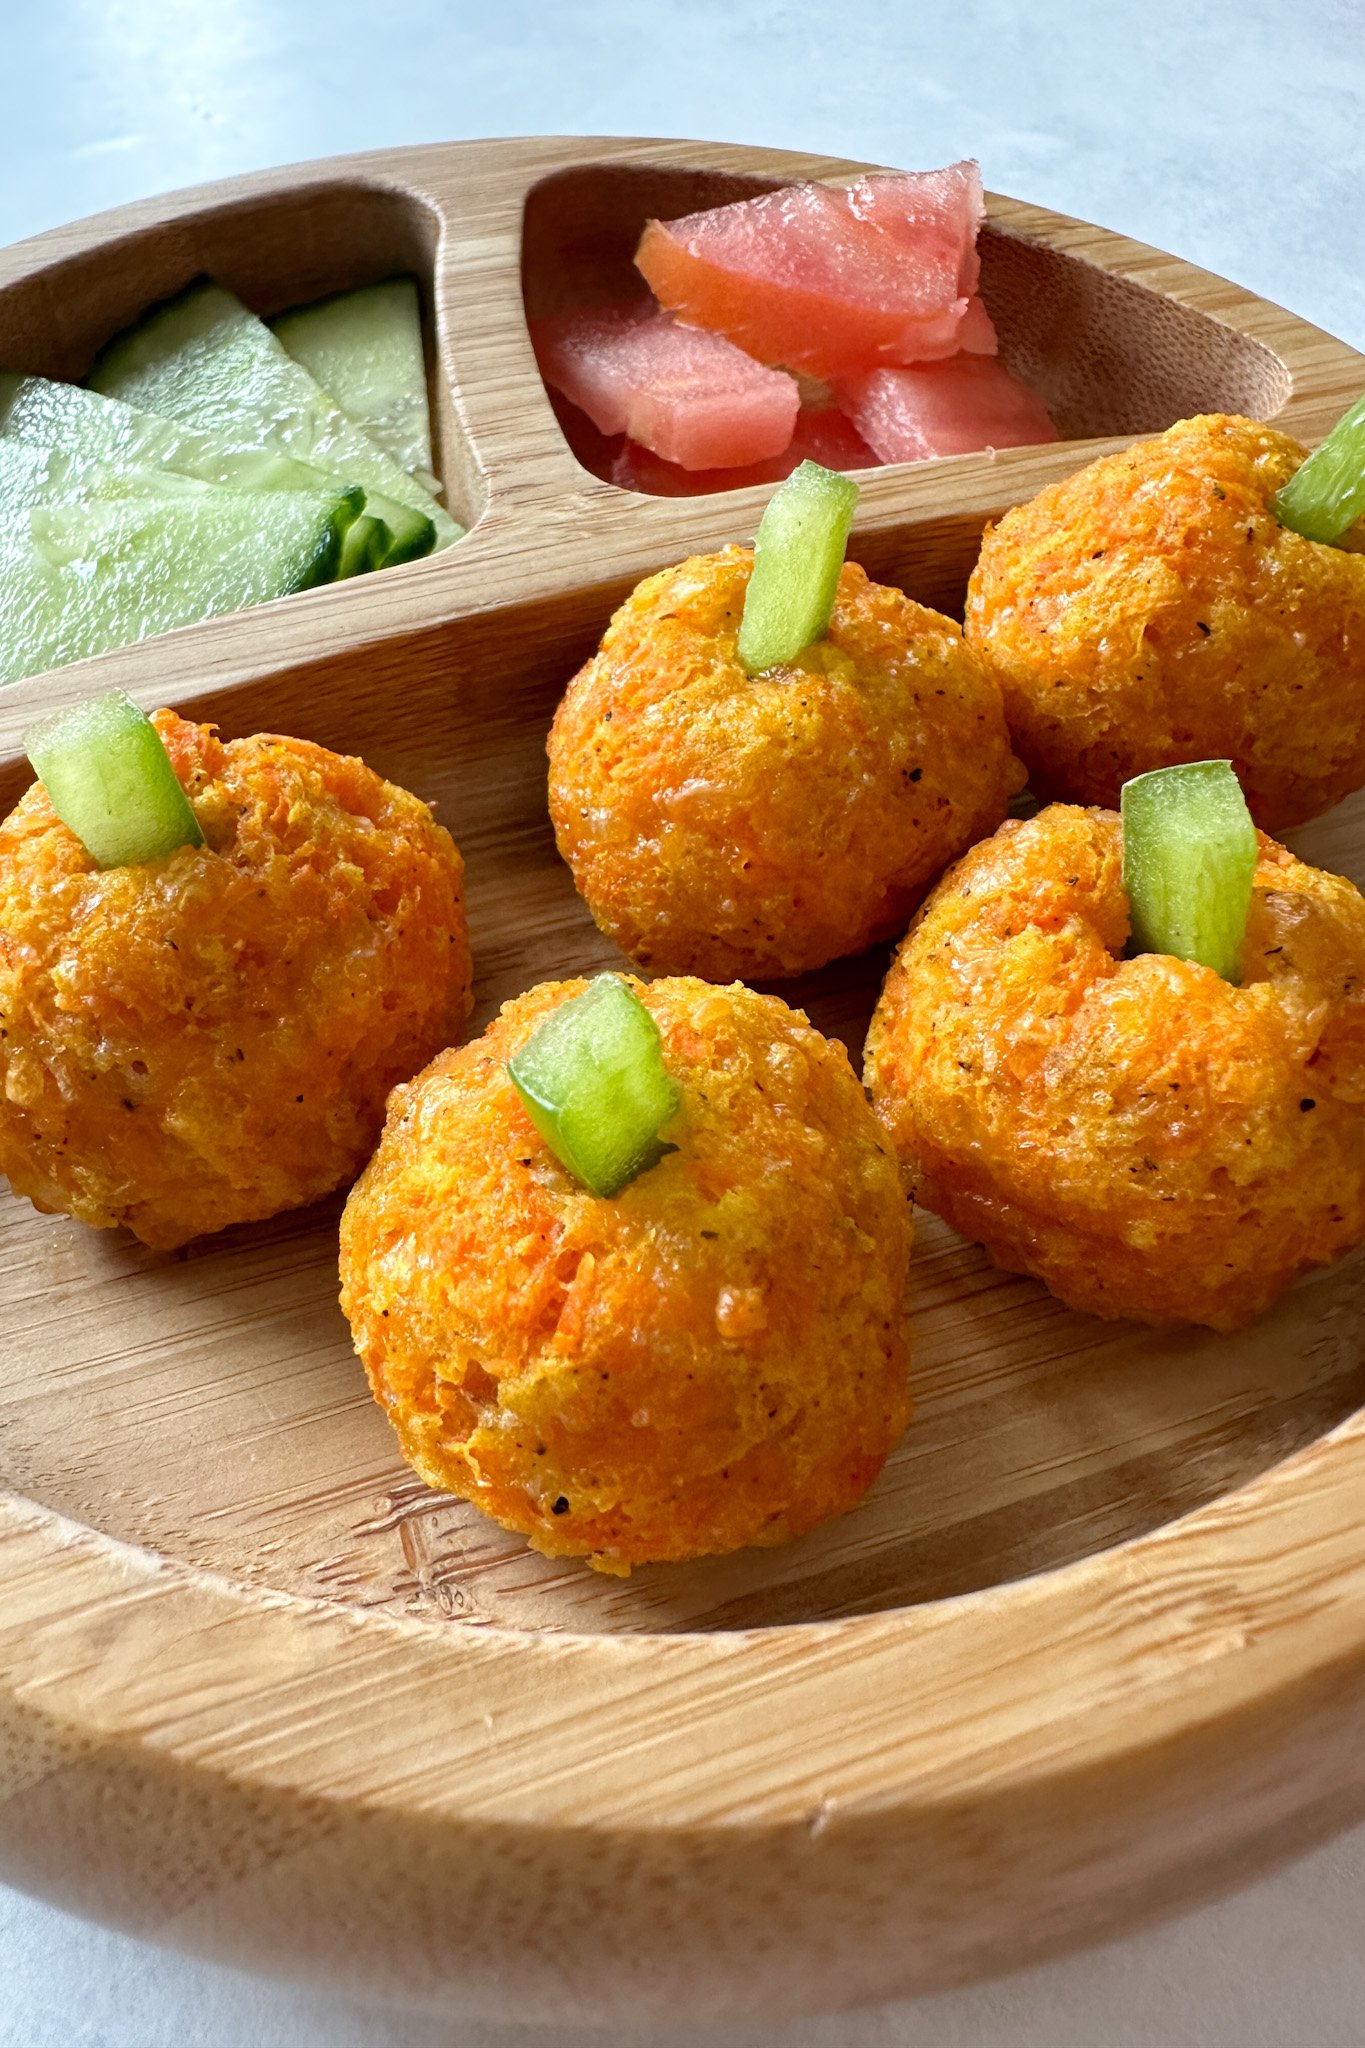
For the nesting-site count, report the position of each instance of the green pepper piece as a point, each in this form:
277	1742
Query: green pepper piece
1326	494
1189	856
593	1082
110	779
798	553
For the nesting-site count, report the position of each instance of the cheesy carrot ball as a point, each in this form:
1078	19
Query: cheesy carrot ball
715	1356
1141	1135
731	825
209	1038
1152	609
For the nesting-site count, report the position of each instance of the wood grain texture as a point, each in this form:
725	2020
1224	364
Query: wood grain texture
1093	1646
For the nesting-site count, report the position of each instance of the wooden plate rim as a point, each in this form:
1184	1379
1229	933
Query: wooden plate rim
1152	1643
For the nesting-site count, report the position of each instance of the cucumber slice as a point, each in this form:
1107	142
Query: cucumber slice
109	778
205	360
798	553
66	417
1189	859
593	1081
84	424
1326	494
365	348
92	558
56	476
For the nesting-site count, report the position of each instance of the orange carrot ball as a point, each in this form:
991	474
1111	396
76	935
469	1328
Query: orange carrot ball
1141	1135
730	825
209	1038
714	1357
1152	609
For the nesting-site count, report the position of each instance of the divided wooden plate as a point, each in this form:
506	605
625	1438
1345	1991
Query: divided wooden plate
1093	1647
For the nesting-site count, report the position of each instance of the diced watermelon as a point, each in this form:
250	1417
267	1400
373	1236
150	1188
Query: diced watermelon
952	408
690	397
934	213
791	278
795	277
977	335
828	436
823	434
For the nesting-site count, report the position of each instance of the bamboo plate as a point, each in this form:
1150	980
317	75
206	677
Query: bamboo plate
1093	1647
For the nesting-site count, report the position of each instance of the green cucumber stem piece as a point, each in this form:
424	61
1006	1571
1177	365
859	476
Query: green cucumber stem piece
1189	860
798	553
592	1079
110	780
1326	494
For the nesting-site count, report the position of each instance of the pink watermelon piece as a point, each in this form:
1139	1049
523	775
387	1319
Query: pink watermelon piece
977	333
952	408
797	277
933	214
823	434
690	397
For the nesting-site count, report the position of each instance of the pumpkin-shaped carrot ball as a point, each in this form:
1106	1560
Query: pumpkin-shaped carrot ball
215	961
1159	607
1172	1134
628	1272
764	767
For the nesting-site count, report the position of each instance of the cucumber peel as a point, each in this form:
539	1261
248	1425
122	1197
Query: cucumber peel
110	780
593	1082
1189	859
798	553
1326	494
368	545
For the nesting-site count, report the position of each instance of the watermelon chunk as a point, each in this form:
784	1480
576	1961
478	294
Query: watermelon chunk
690	397
823	434
934	213
977	335
953	408
798	277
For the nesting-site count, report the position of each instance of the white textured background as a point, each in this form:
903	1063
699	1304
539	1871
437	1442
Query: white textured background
1233	134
